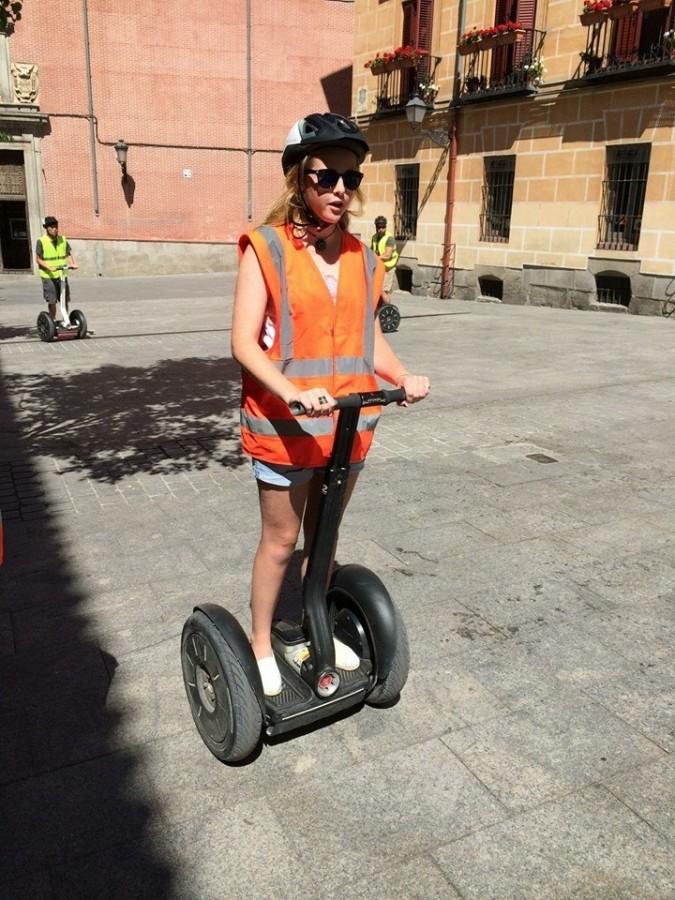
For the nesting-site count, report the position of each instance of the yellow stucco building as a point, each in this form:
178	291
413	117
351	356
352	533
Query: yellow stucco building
544	170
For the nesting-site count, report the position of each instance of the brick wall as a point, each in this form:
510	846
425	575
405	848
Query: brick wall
174	76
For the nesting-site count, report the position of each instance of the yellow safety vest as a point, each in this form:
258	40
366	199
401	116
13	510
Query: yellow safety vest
53	253
380	246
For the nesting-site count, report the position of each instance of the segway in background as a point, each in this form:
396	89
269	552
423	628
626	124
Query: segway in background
220	672
389	316
71	325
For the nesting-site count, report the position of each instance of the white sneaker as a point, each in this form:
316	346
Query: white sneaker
345	658
270	676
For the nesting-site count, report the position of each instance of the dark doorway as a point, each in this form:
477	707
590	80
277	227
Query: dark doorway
14	236
14	240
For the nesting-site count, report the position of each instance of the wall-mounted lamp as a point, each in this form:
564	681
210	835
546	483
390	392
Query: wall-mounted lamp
121	150
415	111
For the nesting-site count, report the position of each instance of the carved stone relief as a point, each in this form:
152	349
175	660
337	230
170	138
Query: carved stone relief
25	81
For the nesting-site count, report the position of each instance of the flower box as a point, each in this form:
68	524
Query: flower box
593	17
623	9
401	58
467	49
651	5
501	40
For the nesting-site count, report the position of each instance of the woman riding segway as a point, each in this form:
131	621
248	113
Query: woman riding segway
306	333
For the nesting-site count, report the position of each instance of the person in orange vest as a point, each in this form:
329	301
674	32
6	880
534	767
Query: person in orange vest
305	329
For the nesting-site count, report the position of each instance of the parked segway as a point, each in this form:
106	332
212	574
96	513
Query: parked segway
390	317
220	672
71	325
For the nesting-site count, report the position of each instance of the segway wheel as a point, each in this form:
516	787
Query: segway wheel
78	319
46	327
223	704
388	690
390	317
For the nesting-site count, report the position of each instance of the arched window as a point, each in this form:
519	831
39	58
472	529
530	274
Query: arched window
613	287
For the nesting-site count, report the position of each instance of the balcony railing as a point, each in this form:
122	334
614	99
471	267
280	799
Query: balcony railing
622	49
504	70
396	88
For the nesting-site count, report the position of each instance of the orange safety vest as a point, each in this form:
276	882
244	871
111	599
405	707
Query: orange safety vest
315	341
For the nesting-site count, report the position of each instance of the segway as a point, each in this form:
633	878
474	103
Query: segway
71	326
390	317
220	672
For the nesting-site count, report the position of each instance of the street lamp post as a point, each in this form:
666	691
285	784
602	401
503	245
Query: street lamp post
415	112
121	151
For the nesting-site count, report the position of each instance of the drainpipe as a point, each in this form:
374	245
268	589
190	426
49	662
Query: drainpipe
452	162
249	115
90	108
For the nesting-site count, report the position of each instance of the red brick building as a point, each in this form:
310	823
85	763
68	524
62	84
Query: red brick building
202	93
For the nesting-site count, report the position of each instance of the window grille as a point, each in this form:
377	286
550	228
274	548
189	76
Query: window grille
495	224
407	192
490	286
623	197
613	289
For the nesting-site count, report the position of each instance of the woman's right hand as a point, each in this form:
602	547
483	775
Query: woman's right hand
316	401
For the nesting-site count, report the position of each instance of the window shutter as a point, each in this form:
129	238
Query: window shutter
627	36
418	20
526	14
425	22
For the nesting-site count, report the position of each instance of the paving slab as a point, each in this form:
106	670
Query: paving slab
522	518
587	845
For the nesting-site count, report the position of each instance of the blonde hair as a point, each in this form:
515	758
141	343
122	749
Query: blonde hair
290	209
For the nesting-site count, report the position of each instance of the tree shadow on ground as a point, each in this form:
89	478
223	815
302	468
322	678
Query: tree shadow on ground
171	417
8	332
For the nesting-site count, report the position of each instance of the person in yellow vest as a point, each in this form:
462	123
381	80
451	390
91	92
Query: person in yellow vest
52	251
305	329
383	244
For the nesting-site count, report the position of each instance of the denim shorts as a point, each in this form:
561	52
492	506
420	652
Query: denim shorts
290	476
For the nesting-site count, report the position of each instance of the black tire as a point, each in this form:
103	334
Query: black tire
223	704
367	620
390	318
77	317
46	327
388	690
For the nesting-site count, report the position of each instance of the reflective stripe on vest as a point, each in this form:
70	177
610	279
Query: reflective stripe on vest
285	327
300	426
381	245
315	368
51	253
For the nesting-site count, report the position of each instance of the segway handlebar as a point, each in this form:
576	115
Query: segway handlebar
370	398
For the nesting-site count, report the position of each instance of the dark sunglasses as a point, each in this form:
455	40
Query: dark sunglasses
328	178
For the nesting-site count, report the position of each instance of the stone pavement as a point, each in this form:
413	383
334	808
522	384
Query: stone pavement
523	519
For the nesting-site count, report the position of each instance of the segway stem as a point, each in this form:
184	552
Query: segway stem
63	304
315	584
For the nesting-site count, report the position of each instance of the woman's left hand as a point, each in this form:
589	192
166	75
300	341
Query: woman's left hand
416	387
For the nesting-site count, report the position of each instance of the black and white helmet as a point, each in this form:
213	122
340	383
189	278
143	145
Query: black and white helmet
321	130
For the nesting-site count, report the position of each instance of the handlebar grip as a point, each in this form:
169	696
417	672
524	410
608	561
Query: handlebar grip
371	398
396	395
